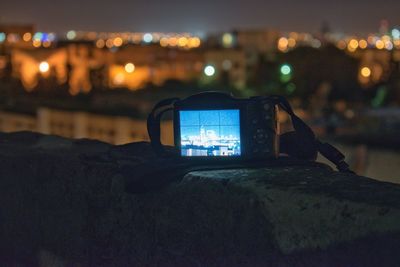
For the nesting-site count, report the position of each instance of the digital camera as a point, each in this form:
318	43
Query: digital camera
215	125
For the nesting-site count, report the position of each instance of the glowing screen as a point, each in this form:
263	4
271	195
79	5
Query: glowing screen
210	133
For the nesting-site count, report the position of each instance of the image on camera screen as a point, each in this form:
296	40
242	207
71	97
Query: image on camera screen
210	133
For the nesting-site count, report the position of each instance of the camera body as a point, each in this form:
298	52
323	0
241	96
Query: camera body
217	126
212	127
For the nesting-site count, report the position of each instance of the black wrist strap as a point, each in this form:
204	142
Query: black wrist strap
303	144
154	123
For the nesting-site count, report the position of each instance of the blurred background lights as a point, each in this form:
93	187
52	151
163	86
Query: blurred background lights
156	37
119	79
44	67
194	42
291	42
227	40
353	45
341	44
164	41
36	43
366	72
71	35
380	44
386	38
147	37
283	43
209	70
183	41
27	36
371	39
12	38
362	44
389	45
118	41
38	36
286	69
2	37
396	34
129	67
100	43
226	64
51	37
109	43
316	43
46	44
173	41
45	37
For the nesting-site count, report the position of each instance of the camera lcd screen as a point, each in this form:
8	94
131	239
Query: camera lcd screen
210	133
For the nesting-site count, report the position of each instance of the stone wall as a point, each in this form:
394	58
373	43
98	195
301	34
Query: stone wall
63	203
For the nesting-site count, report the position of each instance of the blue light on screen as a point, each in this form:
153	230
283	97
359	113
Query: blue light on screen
210	132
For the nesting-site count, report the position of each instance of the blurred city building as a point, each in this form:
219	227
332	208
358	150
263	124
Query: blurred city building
128	59
82	61
230	65
79	124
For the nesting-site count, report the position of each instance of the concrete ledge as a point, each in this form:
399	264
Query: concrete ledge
63	203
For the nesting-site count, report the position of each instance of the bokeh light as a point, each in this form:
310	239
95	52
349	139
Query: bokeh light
109	43
353	45
396	34
209	70
194	42
227	40
183	41
119	79
27	37
118	42
363	44
283	43
129	67
147	37
164	41
44	67
38	36
173	41
365	72
46	44
2	37
36	43
286	69
71	35
100	43
389	45
341	45
291	42
380	44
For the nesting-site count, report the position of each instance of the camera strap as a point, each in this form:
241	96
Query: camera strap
154	123
300	144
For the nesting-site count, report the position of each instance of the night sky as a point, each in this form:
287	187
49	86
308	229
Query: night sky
353	16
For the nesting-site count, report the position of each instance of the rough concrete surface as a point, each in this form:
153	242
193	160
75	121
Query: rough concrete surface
63	203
